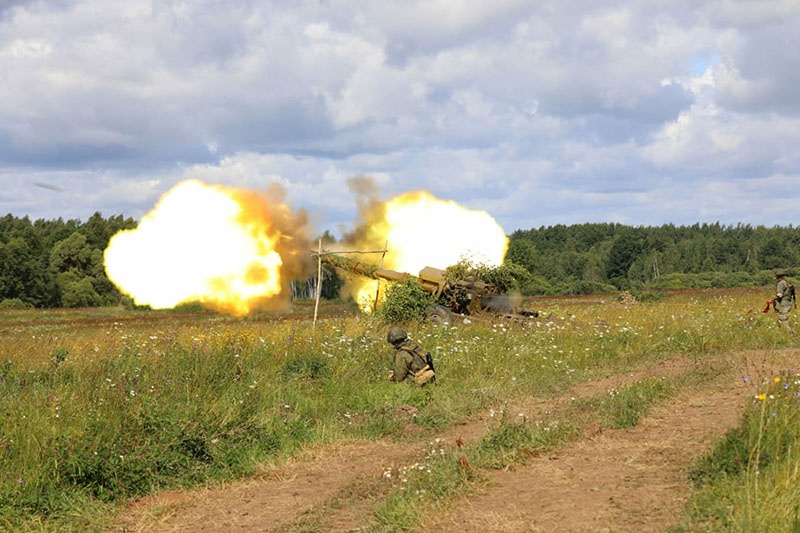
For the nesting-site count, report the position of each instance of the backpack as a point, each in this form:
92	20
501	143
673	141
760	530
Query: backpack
426	374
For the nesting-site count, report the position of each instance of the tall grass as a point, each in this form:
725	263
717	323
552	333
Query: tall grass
424	487
751	479
99	408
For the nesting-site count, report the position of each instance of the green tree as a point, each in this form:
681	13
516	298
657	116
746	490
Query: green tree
777	253
622	255
73	261
79	292
73	252
522	251
15	263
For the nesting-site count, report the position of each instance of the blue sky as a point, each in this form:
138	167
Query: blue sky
540	113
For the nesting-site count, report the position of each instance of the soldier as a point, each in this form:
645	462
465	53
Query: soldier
784	297
408	361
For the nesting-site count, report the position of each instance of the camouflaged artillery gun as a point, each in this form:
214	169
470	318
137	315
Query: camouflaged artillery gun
461	297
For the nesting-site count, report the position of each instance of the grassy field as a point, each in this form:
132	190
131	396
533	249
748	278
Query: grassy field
104	405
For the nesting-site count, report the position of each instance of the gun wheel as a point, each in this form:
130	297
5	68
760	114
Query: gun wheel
440	315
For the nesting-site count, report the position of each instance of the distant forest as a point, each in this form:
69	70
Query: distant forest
57	263
590	258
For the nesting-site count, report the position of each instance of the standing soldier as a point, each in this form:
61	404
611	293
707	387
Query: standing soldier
409	362
784	298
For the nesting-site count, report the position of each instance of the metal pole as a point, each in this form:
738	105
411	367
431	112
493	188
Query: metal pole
378	288
319	281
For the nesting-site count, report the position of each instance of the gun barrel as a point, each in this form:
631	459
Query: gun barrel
363	269
392	275
431	279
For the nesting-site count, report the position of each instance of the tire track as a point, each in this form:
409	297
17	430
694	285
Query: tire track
631	479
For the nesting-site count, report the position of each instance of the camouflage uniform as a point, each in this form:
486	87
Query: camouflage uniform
409	363
404	363
783	301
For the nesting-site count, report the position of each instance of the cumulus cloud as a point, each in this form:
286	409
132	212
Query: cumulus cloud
540	113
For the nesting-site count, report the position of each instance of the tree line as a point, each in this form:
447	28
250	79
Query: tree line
600	257
58	263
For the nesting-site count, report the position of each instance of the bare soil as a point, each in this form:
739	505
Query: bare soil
604	480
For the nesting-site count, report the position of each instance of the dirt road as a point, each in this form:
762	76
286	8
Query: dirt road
604	480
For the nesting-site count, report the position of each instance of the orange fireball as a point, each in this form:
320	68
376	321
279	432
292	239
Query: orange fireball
230	249
421	230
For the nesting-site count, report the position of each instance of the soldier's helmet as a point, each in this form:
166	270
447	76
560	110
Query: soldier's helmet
396	334
780	273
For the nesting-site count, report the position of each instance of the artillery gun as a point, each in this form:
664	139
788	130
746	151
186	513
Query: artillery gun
462	297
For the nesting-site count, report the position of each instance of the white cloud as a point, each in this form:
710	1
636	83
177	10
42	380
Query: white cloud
538	112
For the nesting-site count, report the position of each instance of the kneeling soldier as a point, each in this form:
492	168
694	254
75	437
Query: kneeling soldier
409	361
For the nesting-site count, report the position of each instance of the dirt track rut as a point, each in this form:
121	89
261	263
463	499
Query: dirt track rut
605	480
